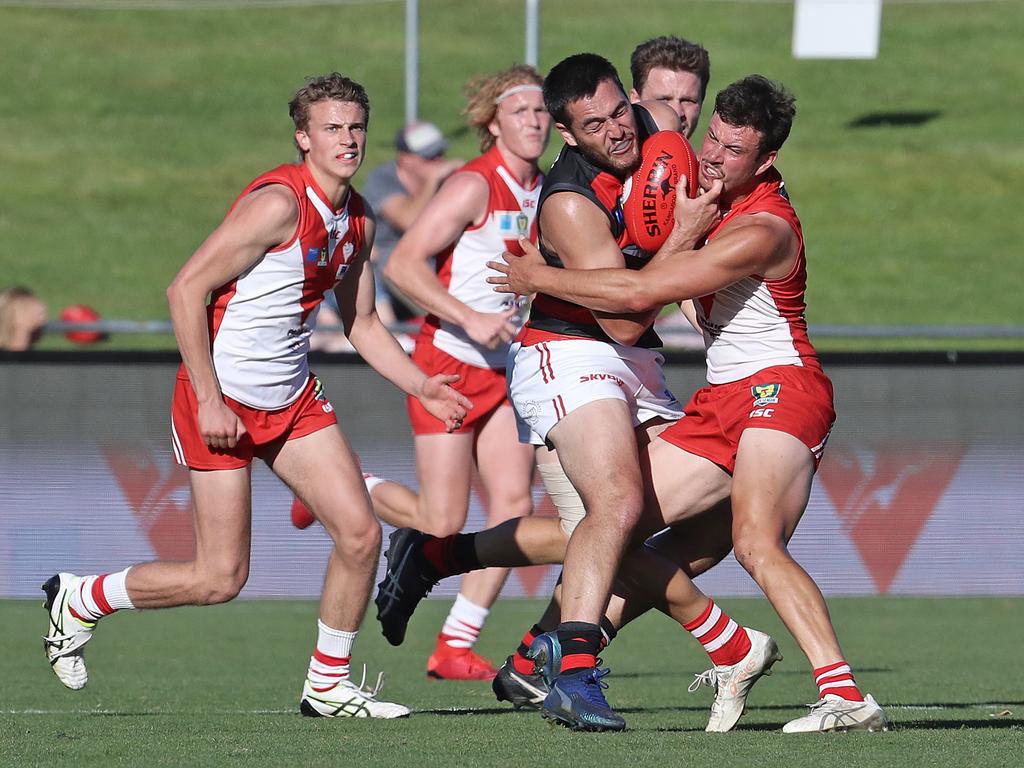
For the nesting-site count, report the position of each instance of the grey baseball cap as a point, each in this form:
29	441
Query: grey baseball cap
421	138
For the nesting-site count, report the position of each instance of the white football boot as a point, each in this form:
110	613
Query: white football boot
832	713
65	634
733	682
346	699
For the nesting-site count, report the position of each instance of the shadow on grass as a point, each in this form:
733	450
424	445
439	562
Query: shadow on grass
894	119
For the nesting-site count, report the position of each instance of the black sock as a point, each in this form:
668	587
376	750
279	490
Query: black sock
580	641
451	555
608	633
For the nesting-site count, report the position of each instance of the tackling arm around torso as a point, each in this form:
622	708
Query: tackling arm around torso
754	244
577	231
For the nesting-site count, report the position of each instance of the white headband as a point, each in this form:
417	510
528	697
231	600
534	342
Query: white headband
524	88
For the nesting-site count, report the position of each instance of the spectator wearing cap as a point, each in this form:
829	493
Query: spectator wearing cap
398	190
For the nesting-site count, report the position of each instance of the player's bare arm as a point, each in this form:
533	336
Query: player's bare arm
758	244
402	210
664	116
375	344
694	219
461	202
262	220
577	231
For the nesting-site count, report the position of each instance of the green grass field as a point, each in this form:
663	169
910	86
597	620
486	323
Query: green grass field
219	686
125	134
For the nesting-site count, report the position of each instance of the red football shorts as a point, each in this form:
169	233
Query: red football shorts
484	386
789	398
310	413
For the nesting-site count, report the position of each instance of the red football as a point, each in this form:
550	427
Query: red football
648	208
80	313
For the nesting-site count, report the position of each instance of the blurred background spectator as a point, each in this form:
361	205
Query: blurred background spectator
22	317
398	190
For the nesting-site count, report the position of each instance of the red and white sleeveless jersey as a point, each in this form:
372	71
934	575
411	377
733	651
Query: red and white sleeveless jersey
756	323
261	321
462	267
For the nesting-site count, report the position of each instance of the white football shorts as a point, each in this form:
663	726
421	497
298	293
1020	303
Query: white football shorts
551	379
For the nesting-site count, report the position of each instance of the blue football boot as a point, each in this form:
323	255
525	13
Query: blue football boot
577	701
546	653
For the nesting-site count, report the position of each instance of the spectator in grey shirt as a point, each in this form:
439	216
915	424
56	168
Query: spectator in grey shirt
398	190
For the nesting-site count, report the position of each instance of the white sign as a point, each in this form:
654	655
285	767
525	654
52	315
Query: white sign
837	29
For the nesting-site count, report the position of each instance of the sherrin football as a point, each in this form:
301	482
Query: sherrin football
651	198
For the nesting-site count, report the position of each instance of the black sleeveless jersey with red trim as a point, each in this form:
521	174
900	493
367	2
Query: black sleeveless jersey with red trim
571	172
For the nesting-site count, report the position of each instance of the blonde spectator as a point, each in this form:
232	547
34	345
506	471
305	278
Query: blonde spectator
22	317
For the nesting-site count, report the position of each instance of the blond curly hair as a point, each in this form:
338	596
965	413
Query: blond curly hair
482	94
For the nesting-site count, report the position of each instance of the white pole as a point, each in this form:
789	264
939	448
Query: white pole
532	31
412	59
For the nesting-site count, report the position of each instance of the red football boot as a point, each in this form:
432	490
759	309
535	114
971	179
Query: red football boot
447	663
301	516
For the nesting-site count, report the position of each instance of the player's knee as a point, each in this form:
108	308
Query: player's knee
754	549
213	588
510	507
618	508
360	542
445	523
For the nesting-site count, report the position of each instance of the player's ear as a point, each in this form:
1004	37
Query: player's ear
634	97
302	140
767	162
567	135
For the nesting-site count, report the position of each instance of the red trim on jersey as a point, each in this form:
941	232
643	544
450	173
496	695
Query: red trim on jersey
529	336
787	292
309	230
486	167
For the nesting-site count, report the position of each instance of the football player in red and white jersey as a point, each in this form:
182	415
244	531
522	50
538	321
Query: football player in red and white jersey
440	263
757	432
245	390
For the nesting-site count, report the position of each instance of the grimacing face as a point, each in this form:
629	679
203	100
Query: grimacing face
732	154
604	129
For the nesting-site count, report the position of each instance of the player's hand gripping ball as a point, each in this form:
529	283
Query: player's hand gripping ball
651	200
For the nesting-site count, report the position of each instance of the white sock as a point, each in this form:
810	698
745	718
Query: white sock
465	620
101	595
329	663
372	481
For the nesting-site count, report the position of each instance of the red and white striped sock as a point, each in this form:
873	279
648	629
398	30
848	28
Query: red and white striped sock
99	596
462	627
725	641
329	663
837	679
